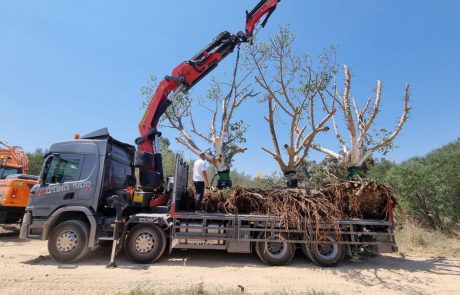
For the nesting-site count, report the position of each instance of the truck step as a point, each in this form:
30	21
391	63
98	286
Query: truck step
199	235
200	246
105	239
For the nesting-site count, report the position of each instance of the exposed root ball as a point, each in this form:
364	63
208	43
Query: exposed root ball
359	199
298	207
237	200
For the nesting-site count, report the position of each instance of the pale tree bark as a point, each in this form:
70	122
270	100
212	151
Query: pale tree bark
294	97
358	123
219	142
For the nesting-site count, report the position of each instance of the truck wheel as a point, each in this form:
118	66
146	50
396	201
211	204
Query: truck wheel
275	251
305	251
325	254
68	241
145	243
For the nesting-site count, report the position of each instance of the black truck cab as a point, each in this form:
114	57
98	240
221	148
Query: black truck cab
76	178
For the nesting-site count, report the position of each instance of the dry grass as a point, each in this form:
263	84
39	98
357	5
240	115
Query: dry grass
200	290
414	240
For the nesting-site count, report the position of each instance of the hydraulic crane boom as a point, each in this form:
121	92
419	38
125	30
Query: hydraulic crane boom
184	77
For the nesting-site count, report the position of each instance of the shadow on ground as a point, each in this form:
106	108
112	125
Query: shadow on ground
351	269
10	233
390	272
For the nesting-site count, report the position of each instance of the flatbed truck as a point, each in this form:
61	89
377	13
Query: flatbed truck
96	188
80	203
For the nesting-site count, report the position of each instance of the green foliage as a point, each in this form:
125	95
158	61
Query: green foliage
375	136
241	178
315	175
169	157
36	161
148	90
270	181
428	188
235	136
379	170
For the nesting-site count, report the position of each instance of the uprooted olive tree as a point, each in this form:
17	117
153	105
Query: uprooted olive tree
294	90
364	138
221	139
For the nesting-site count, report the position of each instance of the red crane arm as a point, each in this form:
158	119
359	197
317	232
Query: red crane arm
253	17
183	77
148	122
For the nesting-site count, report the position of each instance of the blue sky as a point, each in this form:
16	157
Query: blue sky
76	66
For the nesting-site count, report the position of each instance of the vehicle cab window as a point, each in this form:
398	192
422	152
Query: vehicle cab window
61	168
5	171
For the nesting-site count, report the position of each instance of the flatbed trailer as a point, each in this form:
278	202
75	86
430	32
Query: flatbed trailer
78	214
272	241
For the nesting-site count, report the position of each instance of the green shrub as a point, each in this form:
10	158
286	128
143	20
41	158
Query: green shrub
428	188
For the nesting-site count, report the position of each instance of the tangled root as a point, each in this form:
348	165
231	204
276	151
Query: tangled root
299	207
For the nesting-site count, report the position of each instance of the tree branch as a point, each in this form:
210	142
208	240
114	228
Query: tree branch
402	120
272	125
326	151
375	110
195	131
346	106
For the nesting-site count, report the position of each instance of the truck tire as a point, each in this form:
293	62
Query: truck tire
305	251
275	252
325	255
68	241
145	243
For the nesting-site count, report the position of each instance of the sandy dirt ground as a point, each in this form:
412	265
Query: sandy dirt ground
26	268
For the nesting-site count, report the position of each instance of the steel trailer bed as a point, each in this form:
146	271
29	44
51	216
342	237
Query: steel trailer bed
275	243
212	230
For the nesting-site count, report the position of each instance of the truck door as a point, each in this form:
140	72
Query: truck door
88	179
58	183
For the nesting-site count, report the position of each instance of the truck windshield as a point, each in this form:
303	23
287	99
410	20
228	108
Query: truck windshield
5	171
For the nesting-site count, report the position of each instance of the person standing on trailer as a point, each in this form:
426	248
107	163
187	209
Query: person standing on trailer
200	180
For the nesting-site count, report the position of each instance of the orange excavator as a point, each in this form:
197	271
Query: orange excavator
15	183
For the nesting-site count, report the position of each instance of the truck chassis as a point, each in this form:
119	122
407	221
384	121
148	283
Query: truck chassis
273	242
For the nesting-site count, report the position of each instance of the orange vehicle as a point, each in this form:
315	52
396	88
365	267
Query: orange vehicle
15	184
